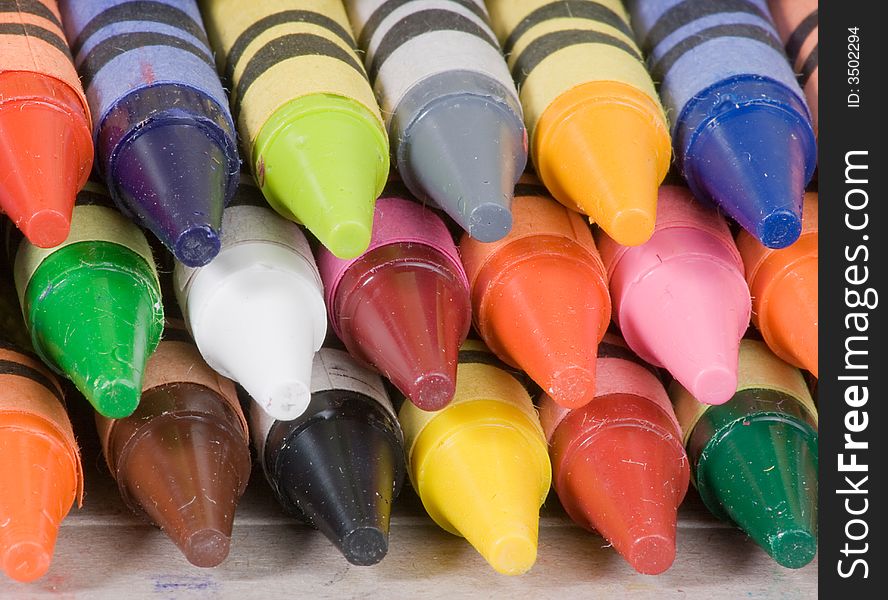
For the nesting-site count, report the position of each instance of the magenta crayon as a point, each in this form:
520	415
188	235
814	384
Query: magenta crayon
403	306
680	299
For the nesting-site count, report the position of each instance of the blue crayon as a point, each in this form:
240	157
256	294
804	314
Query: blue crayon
165	139
741	129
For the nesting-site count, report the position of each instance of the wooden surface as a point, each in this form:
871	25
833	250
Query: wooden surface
105	552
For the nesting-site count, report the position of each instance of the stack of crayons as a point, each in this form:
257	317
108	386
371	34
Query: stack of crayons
459	325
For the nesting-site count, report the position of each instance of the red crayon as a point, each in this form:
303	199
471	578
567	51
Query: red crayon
46	148
540	296
618	462
403	306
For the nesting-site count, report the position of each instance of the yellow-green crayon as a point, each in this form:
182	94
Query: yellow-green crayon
308	121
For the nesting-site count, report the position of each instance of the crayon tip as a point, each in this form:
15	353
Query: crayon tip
433	391
606	158
185	471
692	329
574	382
340	471
761	472
754	165
550	331
513	549
651	554
714	382
94	312
405	310
46	228
175	179
466	153
26	561
43	170
479	481
197	245
206	547
365	546
621	471
37	488
793	549
334	199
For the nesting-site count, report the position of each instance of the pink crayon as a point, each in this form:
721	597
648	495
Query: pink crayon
403	306
680	299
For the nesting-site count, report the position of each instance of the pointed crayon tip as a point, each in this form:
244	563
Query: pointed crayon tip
403	306
185	471
766	462
180	200
26	560
606	159
783	284
47	227
754	165
322	469
99	322
47	154
418	350
465	154
37	488
333	199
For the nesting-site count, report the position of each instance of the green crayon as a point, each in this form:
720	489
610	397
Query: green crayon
93	304
754	458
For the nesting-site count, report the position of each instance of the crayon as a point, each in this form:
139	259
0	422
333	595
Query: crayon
783	285
741	130
403	306
47	149
480	465
754	459
93	304
796	21
40	471
182	460
257	311
598	137
539	295
165	139
680	299
309	124
451	107
618	462
340	465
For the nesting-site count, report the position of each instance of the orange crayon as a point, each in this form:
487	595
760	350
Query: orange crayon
46	151
40	472
796	22
783	286
598	135
539	295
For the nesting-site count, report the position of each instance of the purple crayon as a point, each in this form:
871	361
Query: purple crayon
165	139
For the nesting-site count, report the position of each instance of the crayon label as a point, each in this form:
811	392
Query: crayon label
90	223
271	56
331	370
337	370
758	368
178	361
477	379
28	388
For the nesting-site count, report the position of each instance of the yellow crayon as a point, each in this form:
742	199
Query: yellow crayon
480	465
598	135
308	121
